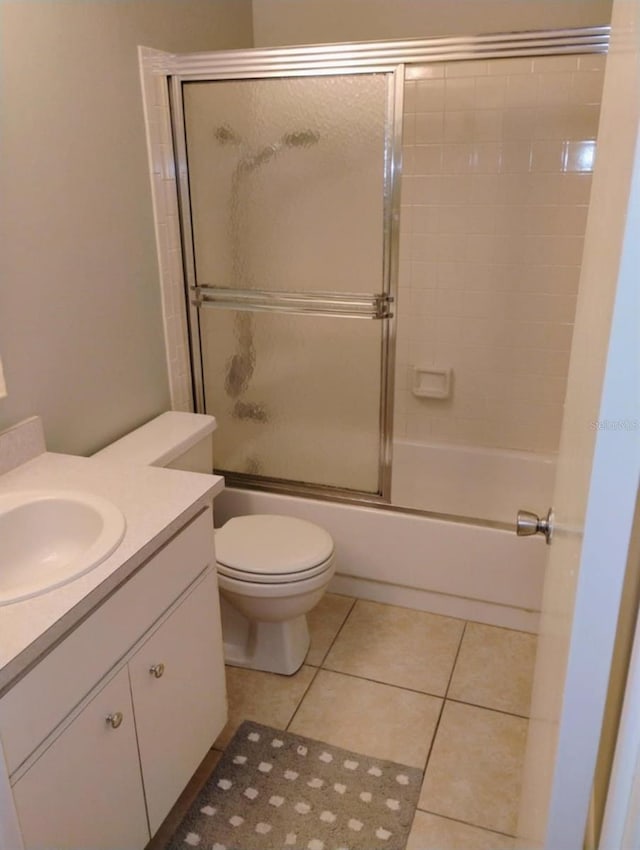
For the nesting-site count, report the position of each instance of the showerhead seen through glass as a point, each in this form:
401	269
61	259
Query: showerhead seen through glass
301	139
226	135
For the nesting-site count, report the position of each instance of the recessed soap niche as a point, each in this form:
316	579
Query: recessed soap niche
432	382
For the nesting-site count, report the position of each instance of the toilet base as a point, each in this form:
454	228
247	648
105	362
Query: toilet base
271	647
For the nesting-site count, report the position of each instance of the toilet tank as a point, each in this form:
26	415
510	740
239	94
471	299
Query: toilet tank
174	439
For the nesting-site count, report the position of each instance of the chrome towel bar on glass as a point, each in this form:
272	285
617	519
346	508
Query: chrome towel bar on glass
353	305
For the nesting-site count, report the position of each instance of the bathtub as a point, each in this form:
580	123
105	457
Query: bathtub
490	484
457	569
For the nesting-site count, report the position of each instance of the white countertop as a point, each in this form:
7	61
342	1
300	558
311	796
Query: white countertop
156	503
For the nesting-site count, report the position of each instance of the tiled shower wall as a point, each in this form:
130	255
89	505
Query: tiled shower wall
497	168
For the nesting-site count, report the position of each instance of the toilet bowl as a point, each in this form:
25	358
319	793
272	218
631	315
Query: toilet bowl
272	569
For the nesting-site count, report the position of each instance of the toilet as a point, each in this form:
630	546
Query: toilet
272	569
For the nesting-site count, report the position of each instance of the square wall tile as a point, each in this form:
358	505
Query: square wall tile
458	158
548	156
429	95
369	718
490	92
592	62
521	91
518	123
409	128
460	93
551	64
494	669
587	87
424	275
580	156
575	188
428	128
425	219
427	159
398	646
487	124
427	189
470	68
459	125
554	87
427	71
475	768
409	96
510	66
516	156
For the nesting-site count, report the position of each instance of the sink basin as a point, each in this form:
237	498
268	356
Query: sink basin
49	538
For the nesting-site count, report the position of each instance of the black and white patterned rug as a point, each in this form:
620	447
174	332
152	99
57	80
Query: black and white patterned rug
272	790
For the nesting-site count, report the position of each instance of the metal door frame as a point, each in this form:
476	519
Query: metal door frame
390	57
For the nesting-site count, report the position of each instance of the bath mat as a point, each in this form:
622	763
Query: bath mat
272	790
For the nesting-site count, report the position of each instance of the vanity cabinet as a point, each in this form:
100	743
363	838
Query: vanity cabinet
85	791
107	775
178	711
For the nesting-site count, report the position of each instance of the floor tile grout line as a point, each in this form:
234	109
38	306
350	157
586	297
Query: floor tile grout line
319	667
433	740
502	628
444	701
302	698
466	823
490	708
380	682
338	633
455	660
443	697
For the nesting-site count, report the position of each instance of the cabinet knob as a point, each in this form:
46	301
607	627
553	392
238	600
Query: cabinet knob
157	670
115	719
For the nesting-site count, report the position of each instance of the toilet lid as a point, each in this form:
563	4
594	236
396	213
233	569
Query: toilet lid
266	546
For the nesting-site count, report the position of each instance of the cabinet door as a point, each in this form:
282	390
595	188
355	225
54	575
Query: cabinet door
86	790
181	707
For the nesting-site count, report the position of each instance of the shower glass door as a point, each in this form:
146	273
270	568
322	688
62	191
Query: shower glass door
289	183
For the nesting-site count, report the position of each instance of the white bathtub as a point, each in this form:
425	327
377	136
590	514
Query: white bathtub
452	568
488	484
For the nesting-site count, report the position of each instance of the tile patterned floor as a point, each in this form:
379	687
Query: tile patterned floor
437	693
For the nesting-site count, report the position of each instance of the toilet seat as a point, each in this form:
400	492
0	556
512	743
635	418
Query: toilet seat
280	578
272	549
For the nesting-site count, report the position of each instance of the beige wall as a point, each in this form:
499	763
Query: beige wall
318	21
80	324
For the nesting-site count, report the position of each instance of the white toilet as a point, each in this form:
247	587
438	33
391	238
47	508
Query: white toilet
272	570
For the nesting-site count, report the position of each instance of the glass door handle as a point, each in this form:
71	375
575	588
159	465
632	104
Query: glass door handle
352	305
528	523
